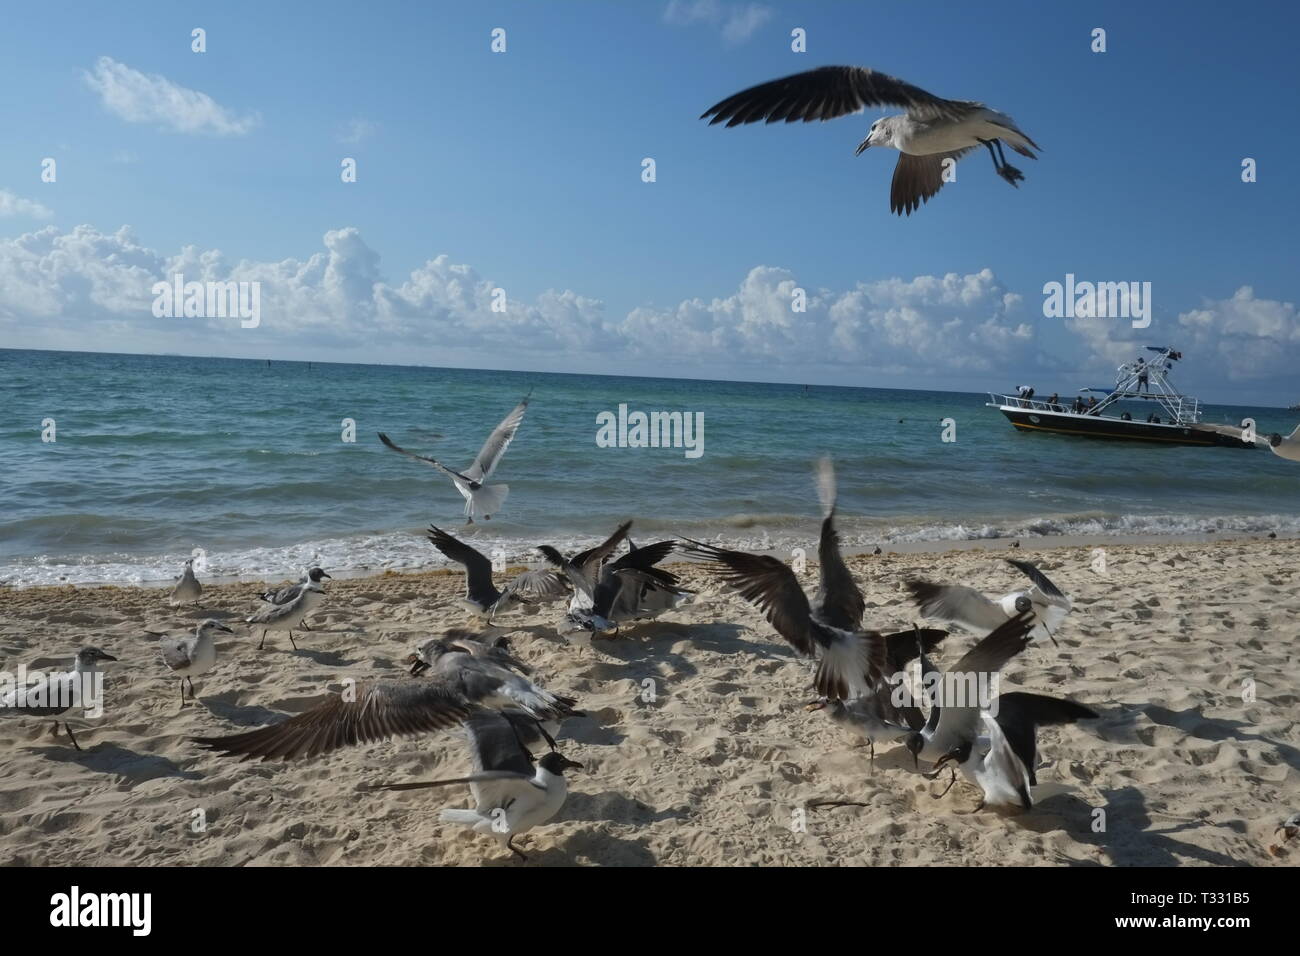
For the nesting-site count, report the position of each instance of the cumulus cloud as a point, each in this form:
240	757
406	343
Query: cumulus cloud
1250	338
11	205
918	325
100	285
736	21
149	98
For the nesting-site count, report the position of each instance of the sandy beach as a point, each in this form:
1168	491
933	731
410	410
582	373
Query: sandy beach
720	765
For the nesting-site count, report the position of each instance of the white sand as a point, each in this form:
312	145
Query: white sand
710	772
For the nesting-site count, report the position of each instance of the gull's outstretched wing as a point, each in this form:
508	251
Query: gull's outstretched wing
488	456
828	92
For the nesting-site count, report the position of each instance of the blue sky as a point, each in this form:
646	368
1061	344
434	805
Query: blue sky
525	169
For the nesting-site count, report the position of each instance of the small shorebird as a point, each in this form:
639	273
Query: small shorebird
288	616
974	611
190	656
482	598
1002	763
289	593
188	590
55	694
472	482
511	796
930	136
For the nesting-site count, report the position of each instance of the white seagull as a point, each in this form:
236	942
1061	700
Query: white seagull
930	136
289	616
289	593
510	795
472	482
57	693
974	611
188	590
190	656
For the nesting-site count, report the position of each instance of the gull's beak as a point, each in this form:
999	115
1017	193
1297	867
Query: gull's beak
572	764
106	657
418	666
324	575
222	627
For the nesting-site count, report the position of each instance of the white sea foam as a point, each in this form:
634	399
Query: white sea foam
409	551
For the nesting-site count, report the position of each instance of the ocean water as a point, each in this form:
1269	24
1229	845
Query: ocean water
156	456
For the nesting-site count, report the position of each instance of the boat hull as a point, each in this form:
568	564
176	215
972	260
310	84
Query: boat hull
1097	426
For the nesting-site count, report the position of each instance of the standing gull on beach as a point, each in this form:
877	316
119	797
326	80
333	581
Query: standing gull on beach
289	616
289	593
55	694
930	136
188	590
190	656
472	482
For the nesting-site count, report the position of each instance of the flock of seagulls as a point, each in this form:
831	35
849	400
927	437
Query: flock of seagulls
512	723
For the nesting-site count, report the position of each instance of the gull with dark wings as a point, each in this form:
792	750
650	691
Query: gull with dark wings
930	136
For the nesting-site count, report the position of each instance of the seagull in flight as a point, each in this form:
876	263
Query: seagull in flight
930	135
482	598
511	796
971	609
627	589
472	482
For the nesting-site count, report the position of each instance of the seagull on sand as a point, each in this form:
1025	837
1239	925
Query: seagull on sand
974	611
852	662
930	136
188	589
472	482
289	593
190	656
483	679
877	716
371	711
953	712
481	596
511	796
55	694
1002	763
628	589
498	652
288	616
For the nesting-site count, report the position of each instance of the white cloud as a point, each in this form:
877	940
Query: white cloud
892	326
737	21
11	205
1249	338
143	98
356	130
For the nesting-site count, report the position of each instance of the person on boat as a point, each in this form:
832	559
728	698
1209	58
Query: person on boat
1142	375
1092	404
1053	400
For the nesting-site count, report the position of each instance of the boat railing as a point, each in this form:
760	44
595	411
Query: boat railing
1015	401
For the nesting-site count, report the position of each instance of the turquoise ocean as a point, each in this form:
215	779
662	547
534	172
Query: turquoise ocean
157	456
